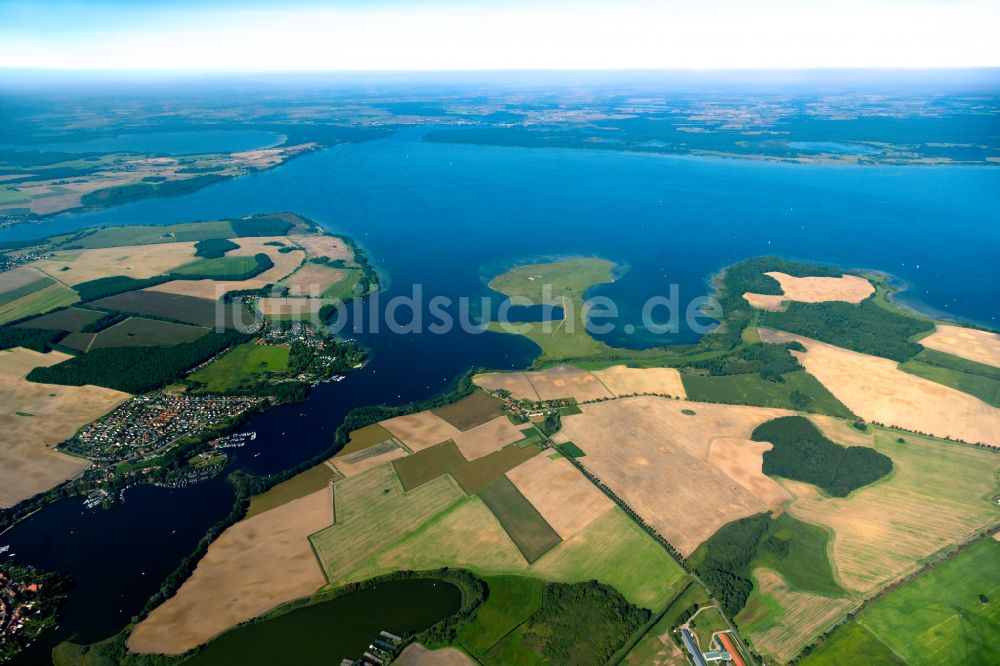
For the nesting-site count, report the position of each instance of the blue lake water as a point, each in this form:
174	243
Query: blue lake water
443	219
170	143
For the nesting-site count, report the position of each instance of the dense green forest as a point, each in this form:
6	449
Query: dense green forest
38	339
866	328
722	561
115	196
136	369
581	623
213	248
802	453
768	360
268	224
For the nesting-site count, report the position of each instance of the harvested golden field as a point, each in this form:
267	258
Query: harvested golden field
812	613
19	277
35	417
515	382
849	288
565	498
742	461
874	389
355	463
313	279
657	459
979	346
321	245
255	565
842	431
937	495
484	439
565	381
622	380
289	307
136	261
421	430
765	301
416	654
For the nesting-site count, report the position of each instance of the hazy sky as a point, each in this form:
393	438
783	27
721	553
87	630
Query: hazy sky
228	35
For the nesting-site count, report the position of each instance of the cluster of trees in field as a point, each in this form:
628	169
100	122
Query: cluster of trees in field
268	224
93	290
136	369
37	339
213	248
770	361
802	453
581	623
722	560
867	328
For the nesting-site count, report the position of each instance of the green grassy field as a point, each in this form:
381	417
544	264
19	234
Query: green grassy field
344	289
852	644
139	332
707	623
568	280
612	549
524	524
151	234
650	650
300	485
445	458
55	295
24	290
470	411
241	364
938	617
754	390
805	564
575	624
572	450
9	195
220	267
977	379
362	438
511	601
372	512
